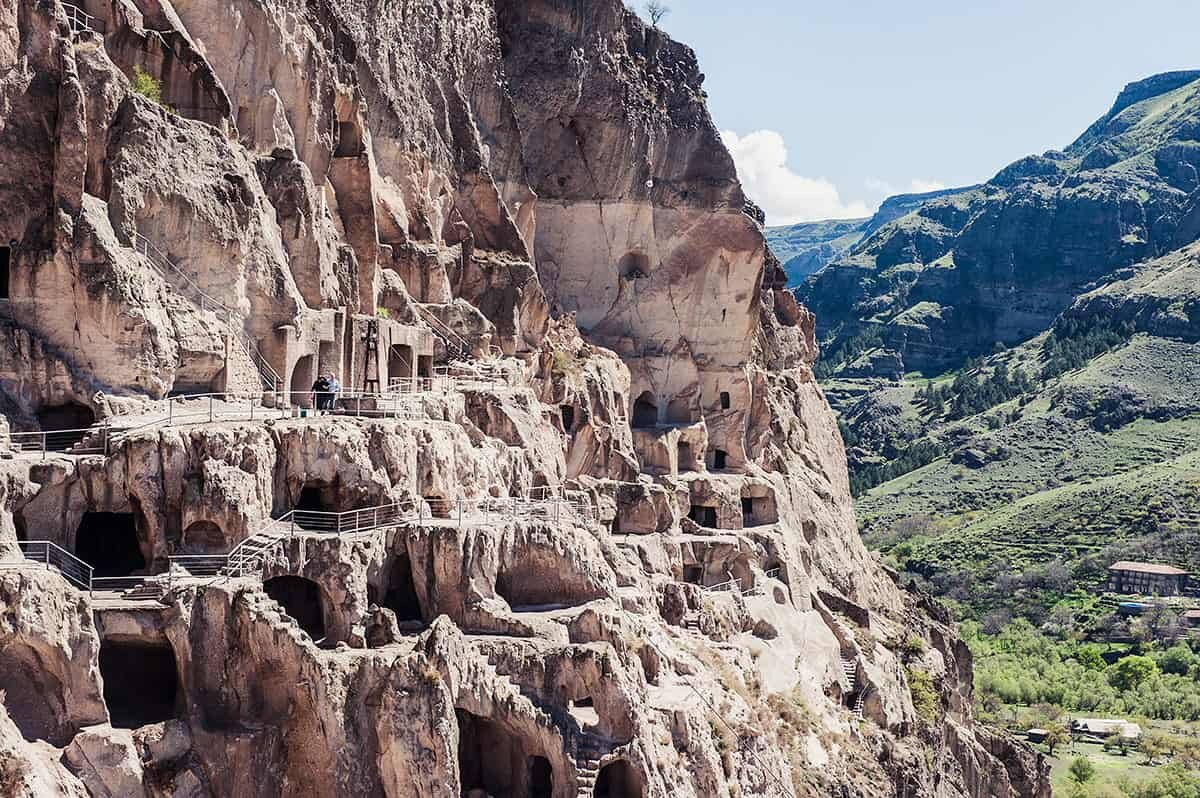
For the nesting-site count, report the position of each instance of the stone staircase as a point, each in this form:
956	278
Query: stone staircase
691	622
587	771
850	669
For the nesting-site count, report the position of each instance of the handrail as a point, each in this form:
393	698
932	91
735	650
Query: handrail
61	440
733	585
164	265
449	337
50	554
80	20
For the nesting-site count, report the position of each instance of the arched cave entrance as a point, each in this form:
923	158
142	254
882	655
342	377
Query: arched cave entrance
301	599
303	377
493	759
141	682
65	424
634	266
401	596
203	537
645	411
618	779
109	543
316	498
33	695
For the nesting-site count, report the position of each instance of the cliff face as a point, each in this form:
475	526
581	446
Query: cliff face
606	547
998	263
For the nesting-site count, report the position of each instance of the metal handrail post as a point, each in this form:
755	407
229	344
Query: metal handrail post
210	409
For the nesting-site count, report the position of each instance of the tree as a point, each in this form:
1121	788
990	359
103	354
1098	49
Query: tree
657	10
1056	735
1082	770
1129	672
1177	659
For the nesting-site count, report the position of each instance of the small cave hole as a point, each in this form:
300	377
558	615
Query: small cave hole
568	417
704	515
67	424
109	543
349	144
684	455
725	400
645	411
720	456
541	777
301	599
490	757
693	574
140	683
203	537
5	260
634	266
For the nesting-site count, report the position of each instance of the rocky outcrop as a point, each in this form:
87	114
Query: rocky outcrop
605	546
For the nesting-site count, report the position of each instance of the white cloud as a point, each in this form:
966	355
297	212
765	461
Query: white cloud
915	186
786	197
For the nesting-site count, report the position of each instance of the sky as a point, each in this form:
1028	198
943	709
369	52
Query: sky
828	108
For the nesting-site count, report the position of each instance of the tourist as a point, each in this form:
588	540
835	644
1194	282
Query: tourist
320	393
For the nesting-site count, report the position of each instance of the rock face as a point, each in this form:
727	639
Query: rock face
604	547
998	263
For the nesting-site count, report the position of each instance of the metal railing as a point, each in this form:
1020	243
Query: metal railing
81	21
73	569
457	347
732	586
76	441
230	320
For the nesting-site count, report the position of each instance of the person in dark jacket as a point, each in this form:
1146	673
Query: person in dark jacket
321	396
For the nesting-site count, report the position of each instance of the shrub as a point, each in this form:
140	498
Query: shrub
1082	770
924	696
146	85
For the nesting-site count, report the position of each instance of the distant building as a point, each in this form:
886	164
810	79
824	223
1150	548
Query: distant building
1190	617
1105	727
1146	578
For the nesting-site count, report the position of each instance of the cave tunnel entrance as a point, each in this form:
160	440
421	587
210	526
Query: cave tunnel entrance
684	456
704	515
5	261
303	377
645	411
720	459
424	365
33	696
400	361
568	417
72	417
401	596
315	498
109	543
204	537
349	143
301	599
491	758
541	778
141	682
679	411
618	780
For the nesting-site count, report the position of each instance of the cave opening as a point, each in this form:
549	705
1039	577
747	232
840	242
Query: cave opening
693	574
424	365
349	143
618	780
720	458
5	260
203	537
725	400
568	417
315	498
541	777
634	266
704	515
109	543
141	682
303	377
65	424
301	599
401	596
491	758
645	411
400	360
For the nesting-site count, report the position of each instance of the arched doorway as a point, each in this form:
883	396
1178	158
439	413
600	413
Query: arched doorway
109	543
618	779
301	599
141	682
303	377
541	778
203	537
679	411
645	411
492	758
